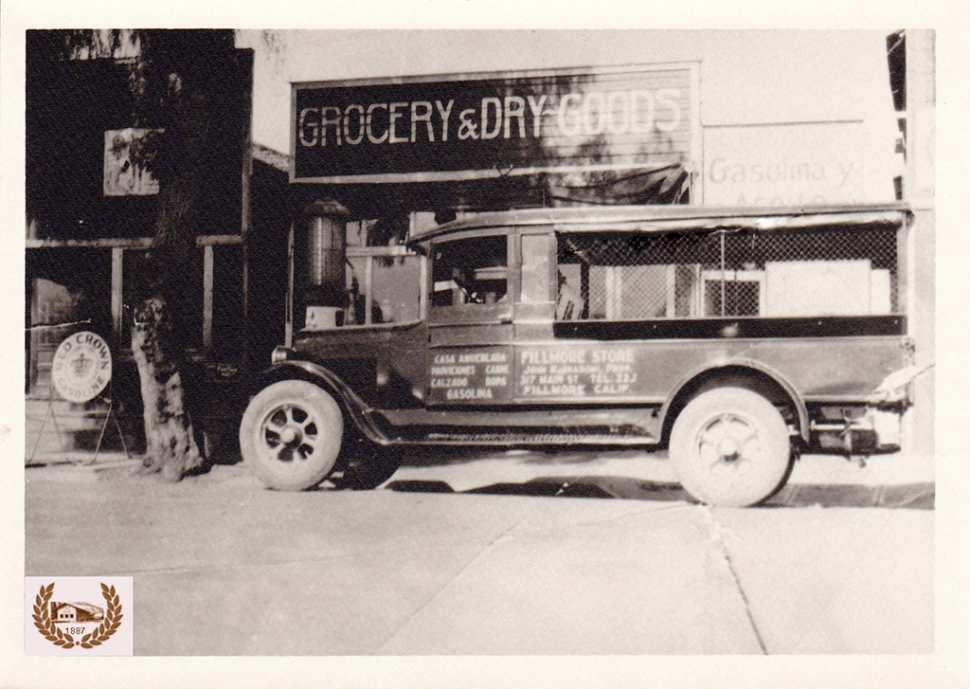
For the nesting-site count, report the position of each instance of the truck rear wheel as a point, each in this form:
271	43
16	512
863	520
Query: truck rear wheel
291	435
730	447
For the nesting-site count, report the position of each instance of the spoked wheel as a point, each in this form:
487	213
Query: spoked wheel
730	447
291	435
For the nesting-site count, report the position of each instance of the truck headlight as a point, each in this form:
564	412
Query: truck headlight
280	354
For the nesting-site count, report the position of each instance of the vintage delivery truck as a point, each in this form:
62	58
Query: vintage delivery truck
737	339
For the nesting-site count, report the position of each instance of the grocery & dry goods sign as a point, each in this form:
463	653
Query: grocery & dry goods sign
489	125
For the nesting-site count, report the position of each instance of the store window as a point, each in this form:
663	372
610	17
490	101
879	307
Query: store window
68	290
382	276
382	286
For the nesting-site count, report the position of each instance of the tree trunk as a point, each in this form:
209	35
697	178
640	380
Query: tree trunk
170	442
160	320
183	66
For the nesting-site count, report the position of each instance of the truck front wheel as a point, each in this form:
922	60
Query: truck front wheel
291	435
730	447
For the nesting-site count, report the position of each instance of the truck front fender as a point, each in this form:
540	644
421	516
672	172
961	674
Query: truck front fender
352	404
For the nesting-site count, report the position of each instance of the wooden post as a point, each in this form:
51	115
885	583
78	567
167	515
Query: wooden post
117	295
207	280
584	288
423	294
246	201
369	291
919	188
290	280
671	290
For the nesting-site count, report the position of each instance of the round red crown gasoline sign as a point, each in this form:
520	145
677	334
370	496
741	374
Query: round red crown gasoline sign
82	367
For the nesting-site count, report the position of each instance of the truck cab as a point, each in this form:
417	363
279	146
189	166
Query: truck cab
735	338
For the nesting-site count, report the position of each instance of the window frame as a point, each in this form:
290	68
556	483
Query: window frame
704	274
473	313
367	254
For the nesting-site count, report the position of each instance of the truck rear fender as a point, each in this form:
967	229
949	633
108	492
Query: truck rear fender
746	374
350	402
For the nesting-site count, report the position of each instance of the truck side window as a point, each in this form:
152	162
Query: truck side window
470	271
824	271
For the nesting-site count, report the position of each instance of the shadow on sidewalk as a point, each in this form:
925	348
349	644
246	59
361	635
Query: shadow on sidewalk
919	496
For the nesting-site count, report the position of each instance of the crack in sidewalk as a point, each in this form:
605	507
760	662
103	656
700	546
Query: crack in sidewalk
717	536
434	596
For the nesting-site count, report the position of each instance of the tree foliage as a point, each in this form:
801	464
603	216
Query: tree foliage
177	81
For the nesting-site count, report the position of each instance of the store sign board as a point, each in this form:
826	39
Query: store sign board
603	371
537	373
127	154
497	124
81	368
797	164
481	375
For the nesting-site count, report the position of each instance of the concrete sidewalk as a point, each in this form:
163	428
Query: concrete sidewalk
224	567
894	480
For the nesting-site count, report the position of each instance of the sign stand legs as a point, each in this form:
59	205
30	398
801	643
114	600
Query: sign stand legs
48	413
111	414
81	372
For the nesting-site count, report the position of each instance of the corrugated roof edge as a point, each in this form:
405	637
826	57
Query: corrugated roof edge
676	218
271	157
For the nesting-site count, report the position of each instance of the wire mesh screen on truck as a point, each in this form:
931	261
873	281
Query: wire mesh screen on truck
827	271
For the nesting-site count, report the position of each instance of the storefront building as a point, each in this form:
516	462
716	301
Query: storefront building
442	124
92	202
389	132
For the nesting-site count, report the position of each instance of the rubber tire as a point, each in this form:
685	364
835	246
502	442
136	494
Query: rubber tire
300	473
765	465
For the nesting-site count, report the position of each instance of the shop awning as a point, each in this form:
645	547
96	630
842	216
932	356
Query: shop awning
669	184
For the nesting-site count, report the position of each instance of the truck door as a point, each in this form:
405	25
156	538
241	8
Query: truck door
470	319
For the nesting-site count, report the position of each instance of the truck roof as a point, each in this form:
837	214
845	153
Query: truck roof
668	218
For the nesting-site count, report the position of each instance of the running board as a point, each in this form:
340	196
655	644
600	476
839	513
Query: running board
533	439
